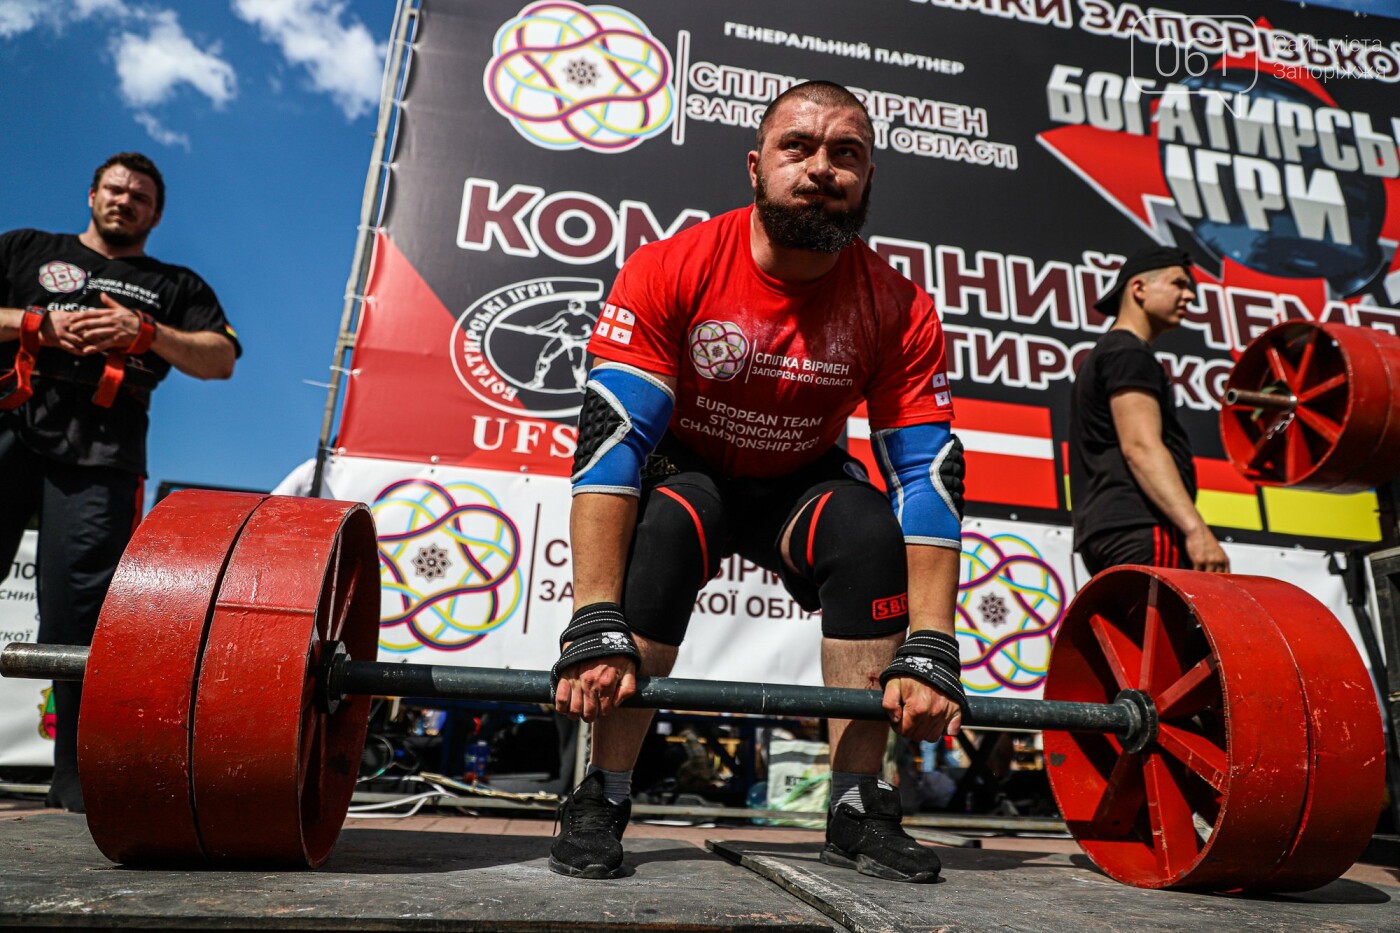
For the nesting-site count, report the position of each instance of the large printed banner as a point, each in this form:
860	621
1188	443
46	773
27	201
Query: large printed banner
26	708
1021	148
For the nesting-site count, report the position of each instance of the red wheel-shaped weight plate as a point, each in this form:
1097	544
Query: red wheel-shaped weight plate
1346	781
1383	462
1343	434
273	770
139	686
1214	801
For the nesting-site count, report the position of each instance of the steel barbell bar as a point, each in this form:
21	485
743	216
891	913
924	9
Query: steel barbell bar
1261	399
1130	717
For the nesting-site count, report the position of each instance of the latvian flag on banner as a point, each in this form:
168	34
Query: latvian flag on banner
1010	452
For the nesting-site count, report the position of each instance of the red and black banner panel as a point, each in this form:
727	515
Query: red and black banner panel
1023	147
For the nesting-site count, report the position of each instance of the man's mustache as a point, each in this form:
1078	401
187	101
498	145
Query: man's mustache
830	191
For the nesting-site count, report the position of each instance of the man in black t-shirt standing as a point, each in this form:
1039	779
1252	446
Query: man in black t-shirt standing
89	324
1132	478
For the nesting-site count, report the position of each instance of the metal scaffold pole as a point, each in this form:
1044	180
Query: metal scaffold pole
371	207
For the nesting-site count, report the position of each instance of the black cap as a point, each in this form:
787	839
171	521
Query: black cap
1144	260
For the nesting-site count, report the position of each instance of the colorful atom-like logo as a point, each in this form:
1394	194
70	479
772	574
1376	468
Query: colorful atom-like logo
1006	585
569	76
449	561
718	349
62	277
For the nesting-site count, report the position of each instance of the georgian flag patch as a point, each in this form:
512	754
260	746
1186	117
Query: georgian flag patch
940	382
615	324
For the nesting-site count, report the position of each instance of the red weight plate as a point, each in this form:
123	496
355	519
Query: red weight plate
1214	802
1347	746
1342	436
139	686
1383	462
273	774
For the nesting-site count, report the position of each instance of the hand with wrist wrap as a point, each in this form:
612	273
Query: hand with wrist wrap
932	659
597	633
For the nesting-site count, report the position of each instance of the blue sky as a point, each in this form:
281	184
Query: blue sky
261	115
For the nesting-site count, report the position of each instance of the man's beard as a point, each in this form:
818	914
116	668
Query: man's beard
118	238
810	226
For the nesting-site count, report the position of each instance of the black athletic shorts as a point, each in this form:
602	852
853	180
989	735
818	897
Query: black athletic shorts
1153	545
756	511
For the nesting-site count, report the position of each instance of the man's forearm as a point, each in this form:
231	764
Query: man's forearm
1155	472
600	533
933	587
202	354
10	319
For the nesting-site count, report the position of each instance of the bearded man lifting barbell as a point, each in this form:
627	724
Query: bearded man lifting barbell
728	360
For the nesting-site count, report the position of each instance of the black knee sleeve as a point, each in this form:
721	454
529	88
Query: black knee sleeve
678	546
848	549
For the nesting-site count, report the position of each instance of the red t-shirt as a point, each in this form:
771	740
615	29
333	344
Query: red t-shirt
769	371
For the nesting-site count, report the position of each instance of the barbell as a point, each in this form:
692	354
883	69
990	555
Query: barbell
1201	731
1313	405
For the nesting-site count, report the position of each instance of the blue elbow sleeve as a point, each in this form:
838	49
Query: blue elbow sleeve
923	469
625	411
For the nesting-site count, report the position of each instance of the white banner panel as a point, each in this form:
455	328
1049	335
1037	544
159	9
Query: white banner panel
475	570
26	716
1016	580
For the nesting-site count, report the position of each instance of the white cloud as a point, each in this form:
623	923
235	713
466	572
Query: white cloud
161	134
338	52
20	16
82	9
151	67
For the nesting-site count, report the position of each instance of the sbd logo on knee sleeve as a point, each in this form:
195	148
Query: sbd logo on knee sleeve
889	607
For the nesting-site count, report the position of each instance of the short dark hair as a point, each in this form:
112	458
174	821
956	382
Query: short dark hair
134	162
825	93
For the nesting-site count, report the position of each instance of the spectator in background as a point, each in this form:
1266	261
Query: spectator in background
1132	477
89	325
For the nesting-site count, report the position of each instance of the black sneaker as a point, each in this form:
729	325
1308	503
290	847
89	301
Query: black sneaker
873	843
589	844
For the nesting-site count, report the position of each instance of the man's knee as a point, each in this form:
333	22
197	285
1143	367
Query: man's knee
678	546
848	546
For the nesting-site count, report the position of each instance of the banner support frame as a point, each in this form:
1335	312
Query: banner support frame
371	209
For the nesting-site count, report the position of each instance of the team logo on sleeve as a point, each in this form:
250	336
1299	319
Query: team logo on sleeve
616	324
718	349
522	348
62	277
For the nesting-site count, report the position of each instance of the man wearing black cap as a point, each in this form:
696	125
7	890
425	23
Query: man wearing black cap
1132	479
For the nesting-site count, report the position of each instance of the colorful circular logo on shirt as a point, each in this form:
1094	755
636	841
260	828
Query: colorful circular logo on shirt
569	76
62	277
718	349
